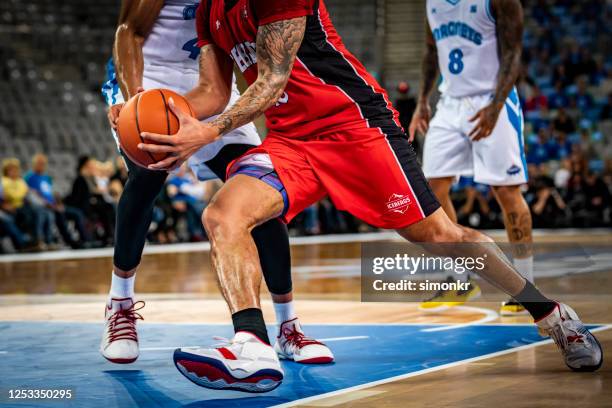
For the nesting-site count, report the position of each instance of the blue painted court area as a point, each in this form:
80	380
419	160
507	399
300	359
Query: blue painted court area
65	356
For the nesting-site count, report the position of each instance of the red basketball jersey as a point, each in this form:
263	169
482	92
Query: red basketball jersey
328	90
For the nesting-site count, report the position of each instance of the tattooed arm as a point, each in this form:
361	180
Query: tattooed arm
429	74
509	26
277	47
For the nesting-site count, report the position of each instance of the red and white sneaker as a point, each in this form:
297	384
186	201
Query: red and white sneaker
292	344
244	363
580	349
120	340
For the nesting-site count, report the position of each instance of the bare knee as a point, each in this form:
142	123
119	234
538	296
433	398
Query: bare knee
508	196
438	228
220	223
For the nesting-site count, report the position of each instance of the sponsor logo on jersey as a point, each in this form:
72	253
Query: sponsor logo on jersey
457	28
513	170
399	203
244	55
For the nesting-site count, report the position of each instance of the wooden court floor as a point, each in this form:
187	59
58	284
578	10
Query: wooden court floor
180	287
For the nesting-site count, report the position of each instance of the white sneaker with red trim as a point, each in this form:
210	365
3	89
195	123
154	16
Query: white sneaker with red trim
244	363
292	344
580	349
120	340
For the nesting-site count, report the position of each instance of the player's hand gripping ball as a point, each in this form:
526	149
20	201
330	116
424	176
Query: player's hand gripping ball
148	111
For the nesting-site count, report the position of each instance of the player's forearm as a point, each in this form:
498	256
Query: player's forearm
429	66
207	101
429	73
277	46
129	60
509	27
258	97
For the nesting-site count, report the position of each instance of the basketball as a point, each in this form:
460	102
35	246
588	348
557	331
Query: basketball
148	111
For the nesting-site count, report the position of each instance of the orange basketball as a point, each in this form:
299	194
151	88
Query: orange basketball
148	111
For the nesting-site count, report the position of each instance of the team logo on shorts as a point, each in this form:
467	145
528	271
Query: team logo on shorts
398	203
514	169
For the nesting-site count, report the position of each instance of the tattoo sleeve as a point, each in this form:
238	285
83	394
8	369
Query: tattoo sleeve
277	46
429	65
509	25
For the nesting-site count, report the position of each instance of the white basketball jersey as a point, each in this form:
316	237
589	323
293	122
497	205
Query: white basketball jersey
465	36
172	40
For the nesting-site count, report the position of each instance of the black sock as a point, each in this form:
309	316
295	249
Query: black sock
535	302
252	321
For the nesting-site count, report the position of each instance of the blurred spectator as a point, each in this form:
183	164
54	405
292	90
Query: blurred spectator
563	122
88	199
548	208
583	100
536	101
41	185
187	196
16	202
8	226
558	98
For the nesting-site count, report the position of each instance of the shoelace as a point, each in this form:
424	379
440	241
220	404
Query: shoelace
297	338
122	324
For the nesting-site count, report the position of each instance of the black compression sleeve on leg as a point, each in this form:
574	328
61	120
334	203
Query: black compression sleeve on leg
272	241
134	213
252	321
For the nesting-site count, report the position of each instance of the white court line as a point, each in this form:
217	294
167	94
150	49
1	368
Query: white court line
421	372
331	339
344	338
311	240
490	315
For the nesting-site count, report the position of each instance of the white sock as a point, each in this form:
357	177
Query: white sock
525	267
122	287
284	312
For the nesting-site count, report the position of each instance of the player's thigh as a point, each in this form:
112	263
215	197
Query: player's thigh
447	152
499	159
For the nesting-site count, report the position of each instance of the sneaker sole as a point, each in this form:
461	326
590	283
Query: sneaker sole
121	360
214	375
312	360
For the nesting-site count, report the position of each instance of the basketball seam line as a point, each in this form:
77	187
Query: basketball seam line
138	128
166	110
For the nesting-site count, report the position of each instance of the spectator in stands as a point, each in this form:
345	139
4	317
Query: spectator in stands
563	122
8	226
558	98
563	174
537	101
86	197
583	100
537	152
16	203
558	147
118	179
41	186
187	196
548	208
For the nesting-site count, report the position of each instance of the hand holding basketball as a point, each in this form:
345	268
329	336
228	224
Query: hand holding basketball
191	136
150	111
